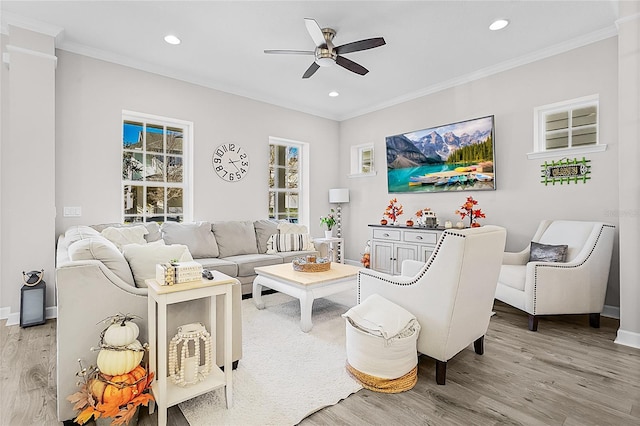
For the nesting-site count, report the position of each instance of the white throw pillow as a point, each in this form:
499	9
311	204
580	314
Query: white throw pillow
289	242
144	258
99	248
291	228
126	235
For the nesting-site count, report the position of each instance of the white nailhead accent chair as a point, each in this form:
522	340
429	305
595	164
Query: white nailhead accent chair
576	286
451	294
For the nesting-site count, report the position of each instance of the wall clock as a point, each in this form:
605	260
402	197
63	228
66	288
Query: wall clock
231	162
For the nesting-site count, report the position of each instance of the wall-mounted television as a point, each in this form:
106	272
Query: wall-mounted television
452	157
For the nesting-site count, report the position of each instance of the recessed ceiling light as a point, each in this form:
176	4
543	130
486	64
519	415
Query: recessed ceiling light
498	24
171	39
333	94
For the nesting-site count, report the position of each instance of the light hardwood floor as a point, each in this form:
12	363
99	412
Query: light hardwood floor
565	374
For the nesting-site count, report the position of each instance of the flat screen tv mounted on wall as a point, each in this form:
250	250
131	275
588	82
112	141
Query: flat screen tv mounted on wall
451	157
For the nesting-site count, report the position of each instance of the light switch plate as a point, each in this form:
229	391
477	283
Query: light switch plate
72	211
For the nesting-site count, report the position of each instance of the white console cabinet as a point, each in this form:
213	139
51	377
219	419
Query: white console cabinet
390	245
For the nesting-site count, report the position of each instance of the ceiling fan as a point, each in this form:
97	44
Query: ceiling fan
326	54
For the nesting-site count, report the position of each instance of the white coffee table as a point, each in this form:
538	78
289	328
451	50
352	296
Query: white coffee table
304	286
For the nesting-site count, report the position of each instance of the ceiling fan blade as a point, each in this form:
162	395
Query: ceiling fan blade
315	32
289	52
351	66
311	70
356	46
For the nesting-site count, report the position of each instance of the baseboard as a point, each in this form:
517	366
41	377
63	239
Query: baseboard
628	338
14	319
611	311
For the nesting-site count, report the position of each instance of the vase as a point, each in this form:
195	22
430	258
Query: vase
328	234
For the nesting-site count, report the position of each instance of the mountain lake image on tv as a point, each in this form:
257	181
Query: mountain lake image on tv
452	157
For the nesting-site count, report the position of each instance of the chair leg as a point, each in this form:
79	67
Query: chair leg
478	345
594	320
441	372
533	323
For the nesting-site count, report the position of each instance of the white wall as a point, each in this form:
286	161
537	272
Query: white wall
520	201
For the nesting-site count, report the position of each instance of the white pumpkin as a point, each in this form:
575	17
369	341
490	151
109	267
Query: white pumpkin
121	333
114	362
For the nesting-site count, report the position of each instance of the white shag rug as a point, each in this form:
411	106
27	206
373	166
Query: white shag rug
284	374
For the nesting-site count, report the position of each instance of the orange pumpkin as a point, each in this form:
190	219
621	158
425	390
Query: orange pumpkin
409	222
383	222
123	389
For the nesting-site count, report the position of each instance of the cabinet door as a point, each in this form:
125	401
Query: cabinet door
402	252
382	257
426	252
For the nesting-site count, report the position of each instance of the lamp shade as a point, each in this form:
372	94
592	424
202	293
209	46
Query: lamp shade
339	195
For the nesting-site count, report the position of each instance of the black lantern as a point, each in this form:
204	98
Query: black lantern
32	299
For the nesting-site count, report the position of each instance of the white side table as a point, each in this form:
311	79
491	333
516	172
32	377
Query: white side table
165	392
336	245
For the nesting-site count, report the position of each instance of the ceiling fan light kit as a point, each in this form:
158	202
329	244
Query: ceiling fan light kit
326	54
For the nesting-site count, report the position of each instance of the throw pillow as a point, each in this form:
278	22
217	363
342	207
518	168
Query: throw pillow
195	235
79	232
291	228
547	253
289	242
99	248
264	229
152	227
125	235
235	237
143	258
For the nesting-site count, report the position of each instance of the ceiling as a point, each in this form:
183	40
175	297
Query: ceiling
431	45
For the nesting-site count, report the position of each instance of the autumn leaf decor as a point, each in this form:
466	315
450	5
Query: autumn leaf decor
468	210
393	210
116	396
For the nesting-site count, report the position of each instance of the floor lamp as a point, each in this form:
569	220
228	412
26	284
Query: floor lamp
339	196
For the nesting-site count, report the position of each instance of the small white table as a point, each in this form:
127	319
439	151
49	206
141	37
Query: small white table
338	255
304	286
165	392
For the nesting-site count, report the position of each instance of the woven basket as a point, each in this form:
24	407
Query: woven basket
311	267
377	384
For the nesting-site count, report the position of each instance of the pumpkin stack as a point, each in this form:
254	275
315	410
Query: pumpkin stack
121	376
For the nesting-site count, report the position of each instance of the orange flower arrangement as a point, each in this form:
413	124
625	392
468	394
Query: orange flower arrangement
394	209
467	210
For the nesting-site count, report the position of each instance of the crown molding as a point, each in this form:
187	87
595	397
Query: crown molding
15	20
608	32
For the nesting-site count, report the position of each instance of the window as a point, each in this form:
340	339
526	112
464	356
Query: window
362	160
569	127
285	177
155	172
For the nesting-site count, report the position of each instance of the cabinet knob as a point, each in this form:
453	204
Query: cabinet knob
419	237
385	235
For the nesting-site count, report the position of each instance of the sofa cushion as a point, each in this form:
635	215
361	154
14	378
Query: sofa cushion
547	253
121	236
289	256
247	263
79	232
264	229
195	235
513	276
152	227
222	265
99	248
289	242
235	238
143	258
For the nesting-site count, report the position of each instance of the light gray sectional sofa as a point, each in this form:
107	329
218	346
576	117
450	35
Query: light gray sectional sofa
95	280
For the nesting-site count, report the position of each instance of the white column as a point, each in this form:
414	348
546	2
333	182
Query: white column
629	152
28	164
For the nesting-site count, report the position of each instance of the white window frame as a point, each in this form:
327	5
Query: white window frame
357	160
303	176
187	162
539	131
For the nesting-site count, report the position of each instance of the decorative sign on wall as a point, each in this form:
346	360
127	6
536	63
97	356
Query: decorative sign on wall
566	170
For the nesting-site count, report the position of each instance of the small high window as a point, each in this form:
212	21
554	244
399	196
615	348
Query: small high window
569	127
362	157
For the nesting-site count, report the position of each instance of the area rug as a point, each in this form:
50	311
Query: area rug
284	374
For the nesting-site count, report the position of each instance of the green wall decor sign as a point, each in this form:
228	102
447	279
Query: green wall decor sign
566	170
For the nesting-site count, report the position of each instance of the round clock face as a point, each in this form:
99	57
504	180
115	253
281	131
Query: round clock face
230	162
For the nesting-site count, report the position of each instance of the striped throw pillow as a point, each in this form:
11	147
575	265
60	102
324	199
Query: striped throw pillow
289	242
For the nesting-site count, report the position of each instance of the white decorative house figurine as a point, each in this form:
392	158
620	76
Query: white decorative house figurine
186	354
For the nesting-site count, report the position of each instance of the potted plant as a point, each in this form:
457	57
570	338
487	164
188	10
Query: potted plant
467	209
329	221
393	210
